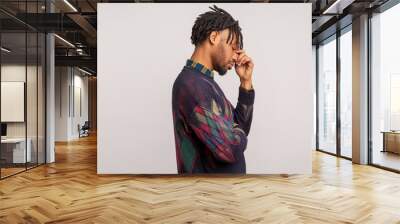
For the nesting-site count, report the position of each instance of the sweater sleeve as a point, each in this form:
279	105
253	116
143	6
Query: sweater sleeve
220	134
243	113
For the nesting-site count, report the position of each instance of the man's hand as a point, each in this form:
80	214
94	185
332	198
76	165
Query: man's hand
244	69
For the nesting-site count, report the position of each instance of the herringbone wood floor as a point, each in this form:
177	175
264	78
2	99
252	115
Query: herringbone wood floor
69	191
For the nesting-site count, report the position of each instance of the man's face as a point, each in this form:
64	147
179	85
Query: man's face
224	54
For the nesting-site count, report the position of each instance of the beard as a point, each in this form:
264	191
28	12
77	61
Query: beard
218	62
220	69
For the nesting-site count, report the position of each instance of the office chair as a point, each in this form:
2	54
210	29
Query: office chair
84	130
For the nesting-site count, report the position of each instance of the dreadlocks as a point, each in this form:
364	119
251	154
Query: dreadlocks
216	20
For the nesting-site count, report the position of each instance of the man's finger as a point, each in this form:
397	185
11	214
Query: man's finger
249	59
240	58
245	60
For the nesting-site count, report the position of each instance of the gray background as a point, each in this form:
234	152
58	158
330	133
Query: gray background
143	47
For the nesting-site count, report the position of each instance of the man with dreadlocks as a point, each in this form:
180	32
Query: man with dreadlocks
211	134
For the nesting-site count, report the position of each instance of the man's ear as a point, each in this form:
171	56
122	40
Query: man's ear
213	38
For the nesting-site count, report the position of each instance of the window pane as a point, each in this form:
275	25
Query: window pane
386	88
327	97
346	93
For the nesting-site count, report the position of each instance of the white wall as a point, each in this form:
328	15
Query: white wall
61	103
68	81
137	67
80	84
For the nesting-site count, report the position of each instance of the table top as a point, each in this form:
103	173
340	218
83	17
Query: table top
13	140
391	132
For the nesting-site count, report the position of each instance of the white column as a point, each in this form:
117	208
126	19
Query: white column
360	90
50	92
50	110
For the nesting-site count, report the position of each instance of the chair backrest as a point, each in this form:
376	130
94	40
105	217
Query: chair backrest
86	125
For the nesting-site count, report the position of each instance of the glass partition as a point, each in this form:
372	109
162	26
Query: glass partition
13	109
22	101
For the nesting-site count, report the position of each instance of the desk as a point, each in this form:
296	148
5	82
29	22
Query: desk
16	151
391	141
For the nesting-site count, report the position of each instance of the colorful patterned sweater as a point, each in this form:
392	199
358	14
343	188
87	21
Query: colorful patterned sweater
210	134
